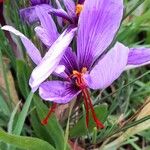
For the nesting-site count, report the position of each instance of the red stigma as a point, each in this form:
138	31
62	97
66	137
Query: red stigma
87	100
51	110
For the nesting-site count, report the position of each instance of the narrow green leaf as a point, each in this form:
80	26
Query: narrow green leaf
67	127
22	76
5	79
134	7
94	135
11	121
39	130
4	107
27	143
7	49
22	116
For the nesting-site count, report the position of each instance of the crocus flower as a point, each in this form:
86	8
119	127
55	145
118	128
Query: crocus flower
98	24
92	67
71	15
29	14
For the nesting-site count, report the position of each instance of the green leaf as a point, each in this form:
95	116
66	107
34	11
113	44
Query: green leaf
24	142
4	73
39	130
137	4
4	107
67	127
80	128
11	123
11	120
22	115
53	127
7	49
23	73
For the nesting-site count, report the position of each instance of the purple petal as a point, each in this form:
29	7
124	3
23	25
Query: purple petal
138	57
81	1
32	51
49	33
98	24
29	15
36	2
59	20
52	58
109	68
44	36
57	91
69	60
70	6
61	13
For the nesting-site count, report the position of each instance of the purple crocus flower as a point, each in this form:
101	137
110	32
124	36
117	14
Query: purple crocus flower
92	67
98	24
71	15
29	14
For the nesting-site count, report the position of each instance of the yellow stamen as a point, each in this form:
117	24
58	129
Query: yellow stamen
75	72
79	8
84	70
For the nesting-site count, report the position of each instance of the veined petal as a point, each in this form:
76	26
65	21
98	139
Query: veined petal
52	58
69	60
32	51
58	91
98	23
29	15
81	1
59	20
138	57
70	6
36	2
49	28
61	13
109	68
44	36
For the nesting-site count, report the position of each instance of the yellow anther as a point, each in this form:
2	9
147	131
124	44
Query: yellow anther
79	8
84	70
75	72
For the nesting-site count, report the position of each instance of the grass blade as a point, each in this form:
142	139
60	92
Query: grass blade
24	142
22	116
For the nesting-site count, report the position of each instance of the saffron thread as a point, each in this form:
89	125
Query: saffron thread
51	110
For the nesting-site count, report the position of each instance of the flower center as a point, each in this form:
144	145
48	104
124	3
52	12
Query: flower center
79	8
79	80
79	77
86	96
